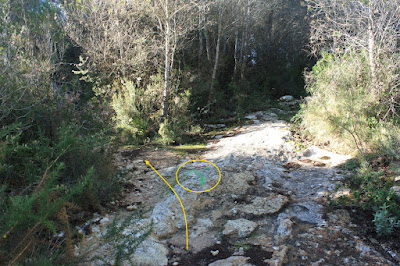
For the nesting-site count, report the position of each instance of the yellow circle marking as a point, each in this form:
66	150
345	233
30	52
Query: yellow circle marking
198	191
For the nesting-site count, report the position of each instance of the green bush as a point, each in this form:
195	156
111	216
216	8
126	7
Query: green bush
42	182
372	191
384	222
136	108
345	109
124	235
355	116
178	122
138	111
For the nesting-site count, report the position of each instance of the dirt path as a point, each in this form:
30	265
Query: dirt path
268	209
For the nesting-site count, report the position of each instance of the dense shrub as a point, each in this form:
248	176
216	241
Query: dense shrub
136	107
344	108
43	182
138	111
354	114
372	191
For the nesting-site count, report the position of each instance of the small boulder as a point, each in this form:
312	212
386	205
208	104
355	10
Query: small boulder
131	207
284	230
251	117
279	257
344	192
238	183
286	98
240	227
150	252
396	190
264	206
202	226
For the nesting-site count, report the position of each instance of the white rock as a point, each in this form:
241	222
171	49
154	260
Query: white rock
251	117
105	220
131	207
279	257
238	183
210	126
284	230
396	190
202	225
130	167
240	227
167	214
149	253
272	115
263	206
214	252
315	153
286	98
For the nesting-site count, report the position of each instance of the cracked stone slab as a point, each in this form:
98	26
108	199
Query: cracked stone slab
264	206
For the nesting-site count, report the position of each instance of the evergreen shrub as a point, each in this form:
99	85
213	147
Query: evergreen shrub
345	109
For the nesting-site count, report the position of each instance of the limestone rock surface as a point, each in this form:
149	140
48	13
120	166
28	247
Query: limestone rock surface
150	253
240	227
263	206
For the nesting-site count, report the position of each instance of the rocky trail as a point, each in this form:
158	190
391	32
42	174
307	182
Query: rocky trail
270	207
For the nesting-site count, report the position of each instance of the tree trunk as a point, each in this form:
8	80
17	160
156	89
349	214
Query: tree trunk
244	41
216	61
167	64
225	44
371	46
207	38
235	55
201	41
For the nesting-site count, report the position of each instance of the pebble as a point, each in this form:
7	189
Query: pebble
214	253
131	207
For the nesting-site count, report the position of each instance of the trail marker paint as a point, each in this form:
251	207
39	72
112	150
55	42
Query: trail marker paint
199	191
202	181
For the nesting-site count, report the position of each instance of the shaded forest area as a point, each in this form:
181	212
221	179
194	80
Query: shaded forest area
81	77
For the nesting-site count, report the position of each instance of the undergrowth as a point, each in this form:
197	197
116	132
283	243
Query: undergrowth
372	191
356	116
43	183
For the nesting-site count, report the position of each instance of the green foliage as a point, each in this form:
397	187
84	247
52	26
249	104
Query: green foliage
166	135
29	42
178	121
384	222
41	177
344	108
373	191
138	109
126	236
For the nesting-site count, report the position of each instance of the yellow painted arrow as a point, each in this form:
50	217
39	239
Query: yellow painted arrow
184	214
